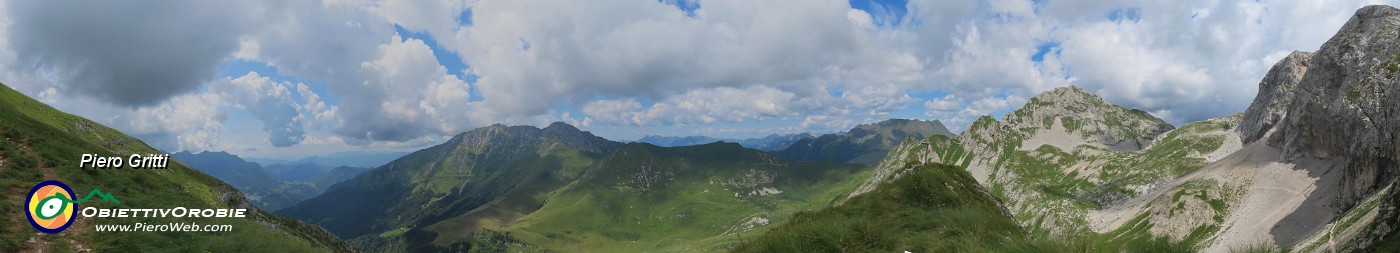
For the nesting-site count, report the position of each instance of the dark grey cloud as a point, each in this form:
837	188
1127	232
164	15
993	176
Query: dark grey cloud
128	53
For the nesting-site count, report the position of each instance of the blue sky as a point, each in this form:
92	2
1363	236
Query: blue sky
282	79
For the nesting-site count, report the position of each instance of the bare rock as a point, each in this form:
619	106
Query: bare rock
1073	115
1275	93
1347	105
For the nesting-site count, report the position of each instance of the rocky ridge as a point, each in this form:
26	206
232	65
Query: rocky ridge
1074	116
934	149
1064	153
1306	167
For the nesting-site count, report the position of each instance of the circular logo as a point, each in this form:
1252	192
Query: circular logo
50	206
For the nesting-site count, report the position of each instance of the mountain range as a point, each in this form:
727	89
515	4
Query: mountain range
502	187
1309	166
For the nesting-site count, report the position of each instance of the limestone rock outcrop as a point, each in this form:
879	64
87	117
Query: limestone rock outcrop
1070	116
1347	105
1275	93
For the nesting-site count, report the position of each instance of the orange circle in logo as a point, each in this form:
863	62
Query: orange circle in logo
50	206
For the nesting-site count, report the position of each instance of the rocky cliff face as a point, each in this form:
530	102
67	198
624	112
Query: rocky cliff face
1275	93
1347	105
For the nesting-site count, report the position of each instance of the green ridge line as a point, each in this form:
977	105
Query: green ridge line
95	192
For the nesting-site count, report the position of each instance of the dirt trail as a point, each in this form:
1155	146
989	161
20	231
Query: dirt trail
43	167
81	227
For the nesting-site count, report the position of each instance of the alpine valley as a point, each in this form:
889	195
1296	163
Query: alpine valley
270	188
1310	166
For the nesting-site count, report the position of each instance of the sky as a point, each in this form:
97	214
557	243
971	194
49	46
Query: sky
289	79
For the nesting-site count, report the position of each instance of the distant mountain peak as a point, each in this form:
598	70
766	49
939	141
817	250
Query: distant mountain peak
865	143
205	152
895	123
1066	117
561	126
900	122
1069	93
894	131
222	153
581	139
485	136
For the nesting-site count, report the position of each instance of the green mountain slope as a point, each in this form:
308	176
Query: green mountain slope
41	143
935	149
559	188
696	198
443	181
931	208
